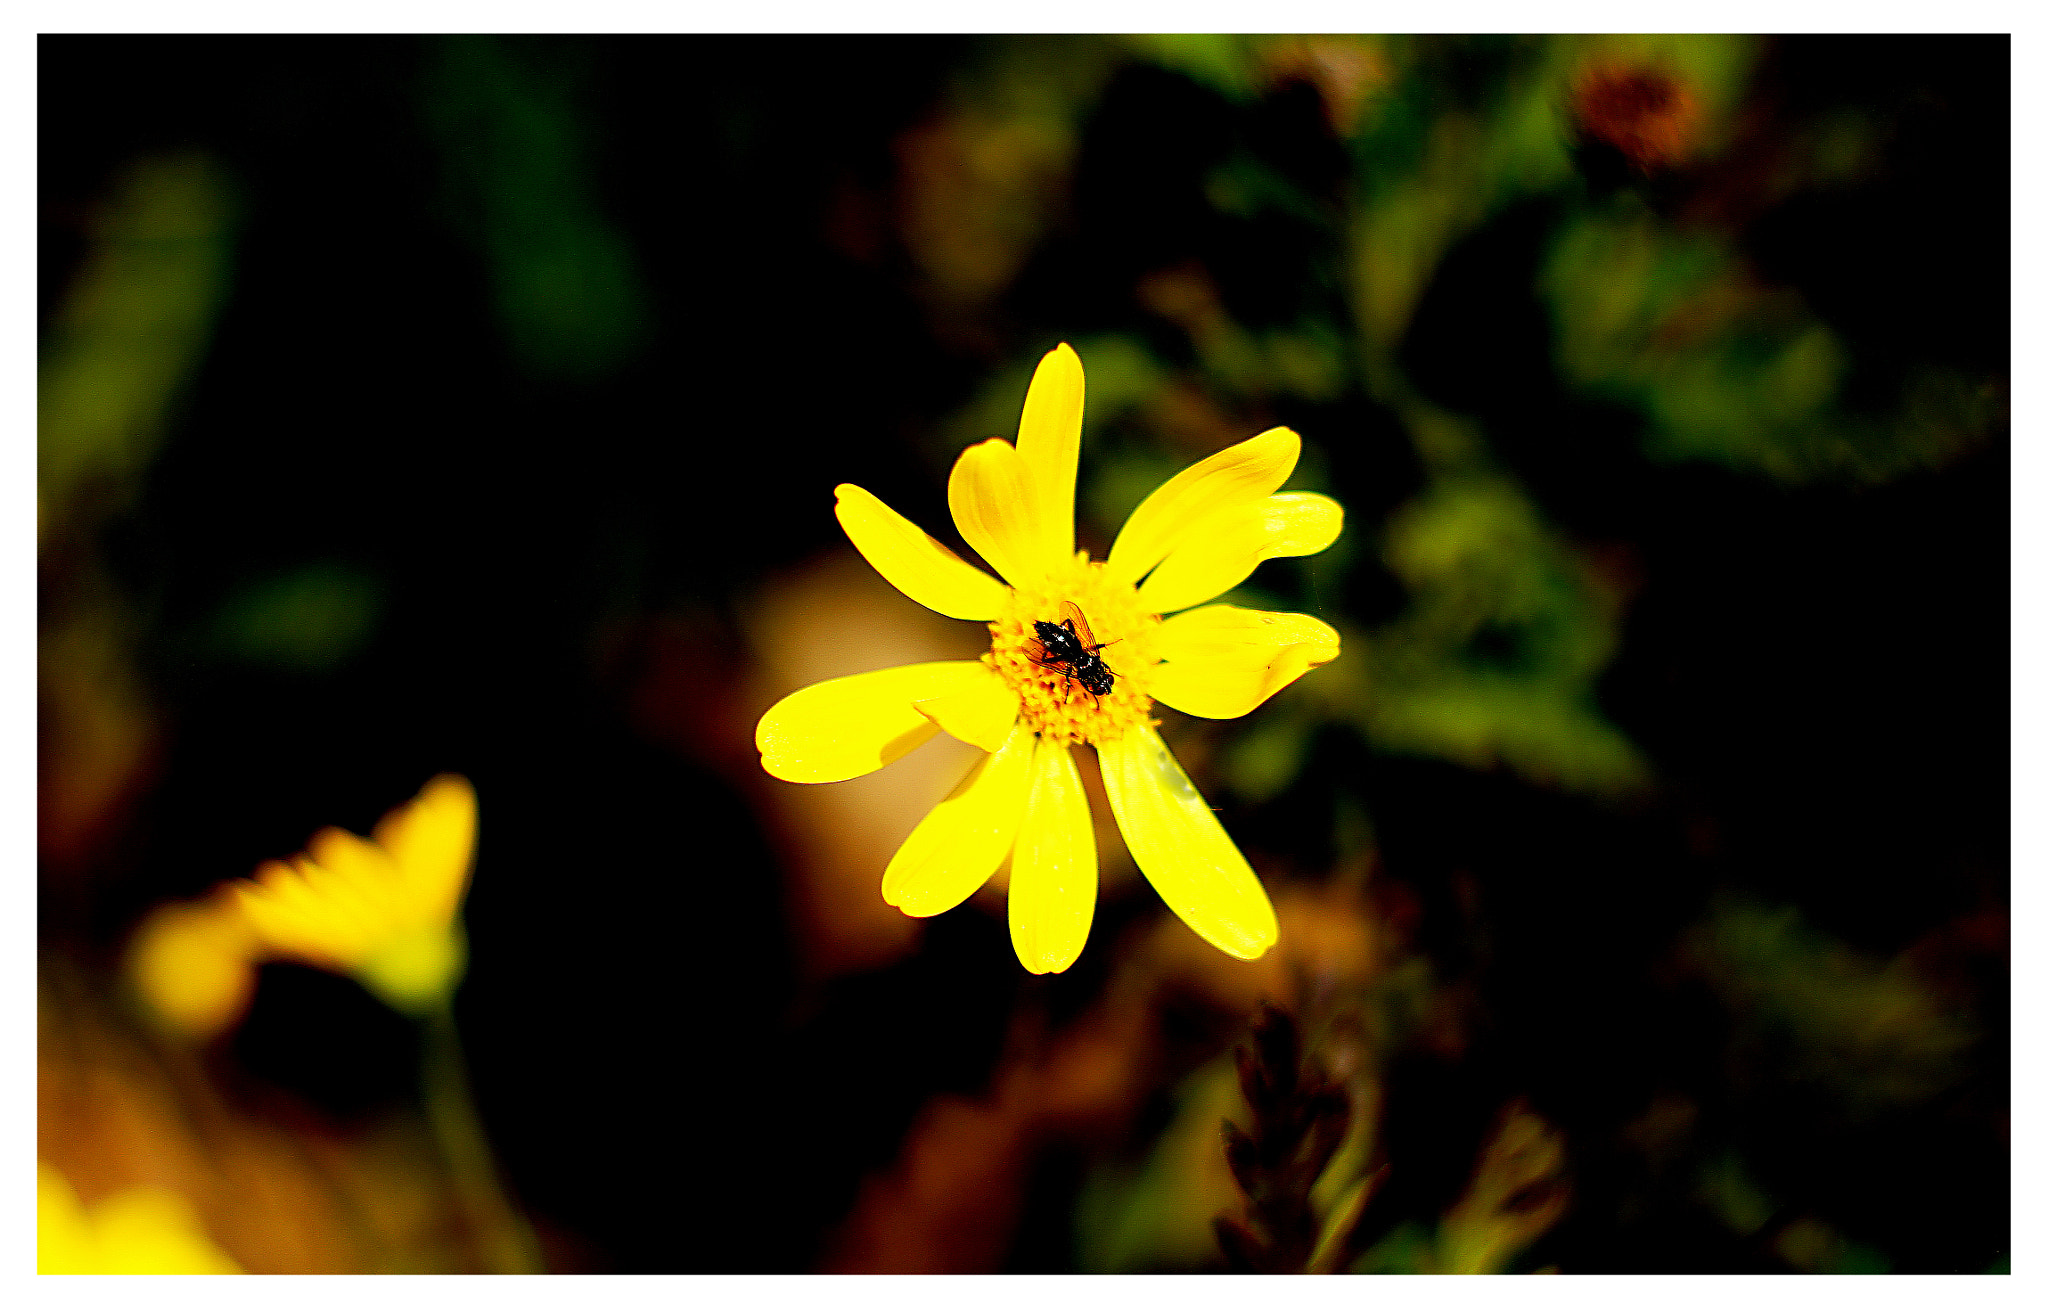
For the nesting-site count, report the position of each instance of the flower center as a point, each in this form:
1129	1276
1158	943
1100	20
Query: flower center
1062	689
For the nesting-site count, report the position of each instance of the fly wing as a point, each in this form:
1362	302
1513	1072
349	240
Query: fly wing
1078	624
1034	650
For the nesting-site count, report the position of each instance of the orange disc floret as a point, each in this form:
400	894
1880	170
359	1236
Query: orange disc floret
1054	704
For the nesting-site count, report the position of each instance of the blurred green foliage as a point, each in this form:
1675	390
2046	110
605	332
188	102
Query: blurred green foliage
1734	1195
307	620
133	326
1669	322
1159	1211
1813	1246
1223	62
1495	659
1805	1243
1515	1195
1871	1035
117	358
567	285
983	180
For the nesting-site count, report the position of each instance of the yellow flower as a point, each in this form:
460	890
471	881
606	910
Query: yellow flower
382	910
1192	539
144	1230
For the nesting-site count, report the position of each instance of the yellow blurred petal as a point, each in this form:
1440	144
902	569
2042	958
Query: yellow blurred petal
194	965
1049	440
913	562
291	918
1182	849
63	1238
960	842
1223	548
1247	471
981	715
850	726
1052	869
357	880
345	886
994	501
149	1231
145	1230
1224	661
431	839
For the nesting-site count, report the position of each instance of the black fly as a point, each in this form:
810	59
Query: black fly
1069	647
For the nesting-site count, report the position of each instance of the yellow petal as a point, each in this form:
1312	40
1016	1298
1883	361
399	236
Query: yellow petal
1223	661
144	1230
1227	631
64	1243
1247	471
303	911
152	1231
431	839
850	726
1228	690
981	715
1223	548
994	503
959	843
351	878
914	563
194	965
1049	439
1052	869
1182	849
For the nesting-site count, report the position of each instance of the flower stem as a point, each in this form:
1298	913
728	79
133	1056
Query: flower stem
502	1236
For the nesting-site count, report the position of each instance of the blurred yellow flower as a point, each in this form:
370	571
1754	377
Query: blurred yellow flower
144	1230
1195	537
384	910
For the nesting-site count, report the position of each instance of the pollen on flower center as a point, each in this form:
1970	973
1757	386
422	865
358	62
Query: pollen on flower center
1054	703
